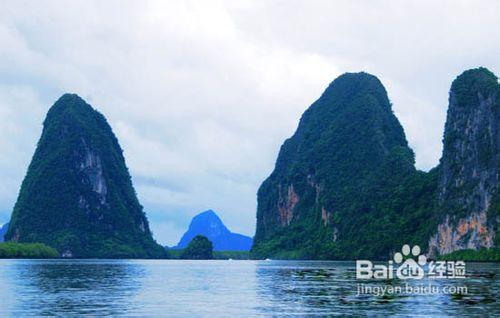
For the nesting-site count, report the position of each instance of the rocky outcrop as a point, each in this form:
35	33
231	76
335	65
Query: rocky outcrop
325	216
91	165
286	204
470	164
471	232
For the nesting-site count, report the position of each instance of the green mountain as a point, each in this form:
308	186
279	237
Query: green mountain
77	195
345	186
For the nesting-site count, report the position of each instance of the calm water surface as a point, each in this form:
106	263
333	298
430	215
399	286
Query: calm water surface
178	288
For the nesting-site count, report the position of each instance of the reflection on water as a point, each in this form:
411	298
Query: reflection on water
307	288
45	287
223	288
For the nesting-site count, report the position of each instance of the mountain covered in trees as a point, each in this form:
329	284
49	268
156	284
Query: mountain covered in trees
345	184
77	195
209	225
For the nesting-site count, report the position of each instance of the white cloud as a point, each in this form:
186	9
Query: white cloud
202	94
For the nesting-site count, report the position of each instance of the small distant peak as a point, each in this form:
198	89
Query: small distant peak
204	217
207	213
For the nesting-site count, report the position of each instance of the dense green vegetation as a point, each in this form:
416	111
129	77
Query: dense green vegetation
236	255
482	255
27	250
77	195
345	185
350	158
199	248
174	253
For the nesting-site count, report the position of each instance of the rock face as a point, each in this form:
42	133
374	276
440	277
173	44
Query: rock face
77	195
468	184
208	224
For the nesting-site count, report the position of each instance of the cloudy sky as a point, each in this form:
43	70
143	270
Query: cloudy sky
202	93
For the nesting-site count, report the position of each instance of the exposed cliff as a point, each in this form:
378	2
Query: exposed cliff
77	195
468	184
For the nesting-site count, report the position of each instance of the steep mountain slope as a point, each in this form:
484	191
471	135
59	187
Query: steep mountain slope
77	195
468	185
210	225
328	194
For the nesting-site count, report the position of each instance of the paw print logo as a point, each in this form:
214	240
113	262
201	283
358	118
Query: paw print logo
410	268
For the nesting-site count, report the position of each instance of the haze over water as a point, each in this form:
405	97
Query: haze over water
182	288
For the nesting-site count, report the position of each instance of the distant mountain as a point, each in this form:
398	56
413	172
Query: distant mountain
210	225
3	230
77	195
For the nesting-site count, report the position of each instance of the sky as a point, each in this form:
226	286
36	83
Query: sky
201	94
